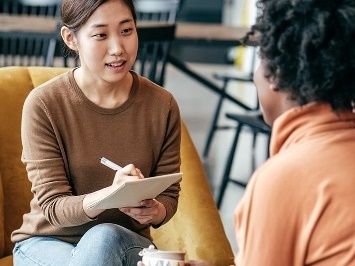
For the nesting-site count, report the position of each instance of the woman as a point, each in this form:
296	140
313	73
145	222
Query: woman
299	207
99	109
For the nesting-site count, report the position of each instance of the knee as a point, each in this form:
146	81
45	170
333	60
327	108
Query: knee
110	242
101	241
108	234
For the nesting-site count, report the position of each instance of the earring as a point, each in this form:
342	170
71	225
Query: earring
353	106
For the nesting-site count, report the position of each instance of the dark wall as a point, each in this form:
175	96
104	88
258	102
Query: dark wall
209	11
201	11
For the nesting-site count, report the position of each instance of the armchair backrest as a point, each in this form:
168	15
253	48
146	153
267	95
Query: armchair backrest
196	228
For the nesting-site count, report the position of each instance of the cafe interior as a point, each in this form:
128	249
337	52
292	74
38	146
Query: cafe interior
197	55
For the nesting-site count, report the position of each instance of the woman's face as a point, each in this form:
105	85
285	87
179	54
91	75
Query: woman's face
107	43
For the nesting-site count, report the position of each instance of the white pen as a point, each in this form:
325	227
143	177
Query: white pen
109	164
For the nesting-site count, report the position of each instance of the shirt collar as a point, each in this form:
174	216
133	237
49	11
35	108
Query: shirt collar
300	123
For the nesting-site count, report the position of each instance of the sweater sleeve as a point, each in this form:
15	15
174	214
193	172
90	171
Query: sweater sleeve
45	167
169	160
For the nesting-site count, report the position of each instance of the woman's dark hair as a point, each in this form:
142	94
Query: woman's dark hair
76	12
308	48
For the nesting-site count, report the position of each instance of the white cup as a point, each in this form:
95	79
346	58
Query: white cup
155	257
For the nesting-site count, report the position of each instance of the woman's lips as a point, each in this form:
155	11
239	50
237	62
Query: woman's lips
118	64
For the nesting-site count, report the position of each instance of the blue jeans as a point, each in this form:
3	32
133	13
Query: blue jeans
104	244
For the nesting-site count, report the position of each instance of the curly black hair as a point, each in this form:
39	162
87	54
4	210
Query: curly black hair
309	48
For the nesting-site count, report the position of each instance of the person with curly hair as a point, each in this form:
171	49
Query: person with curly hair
299	206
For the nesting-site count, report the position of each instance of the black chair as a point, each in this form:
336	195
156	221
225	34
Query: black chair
156	11
27	49
226	77
154	47
46	8
23	48
31	7
252	121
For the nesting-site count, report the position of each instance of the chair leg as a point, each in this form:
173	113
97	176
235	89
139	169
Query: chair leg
253	155
50	52
268	146
228	167
214	123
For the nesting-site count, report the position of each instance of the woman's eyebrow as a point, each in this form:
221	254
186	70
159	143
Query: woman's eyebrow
98	25
101	25
126	21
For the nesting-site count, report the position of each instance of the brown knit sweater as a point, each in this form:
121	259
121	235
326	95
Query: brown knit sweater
64	134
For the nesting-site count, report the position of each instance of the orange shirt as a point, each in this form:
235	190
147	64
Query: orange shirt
299	207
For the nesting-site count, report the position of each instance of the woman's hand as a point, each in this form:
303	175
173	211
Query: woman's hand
151	212
129	172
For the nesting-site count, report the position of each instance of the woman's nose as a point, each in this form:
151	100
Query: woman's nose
115	47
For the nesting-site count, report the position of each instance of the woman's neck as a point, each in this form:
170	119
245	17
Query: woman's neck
104	94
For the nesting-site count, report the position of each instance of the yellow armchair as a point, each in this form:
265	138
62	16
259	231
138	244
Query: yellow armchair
196	228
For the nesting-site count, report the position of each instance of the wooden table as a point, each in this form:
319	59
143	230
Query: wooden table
186	32
202	34
27	23
209	34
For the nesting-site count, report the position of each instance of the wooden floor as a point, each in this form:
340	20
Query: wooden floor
197	104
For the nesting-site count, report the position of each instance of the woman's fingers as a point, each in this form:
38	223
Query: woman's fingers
129	172
130	169
139	173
